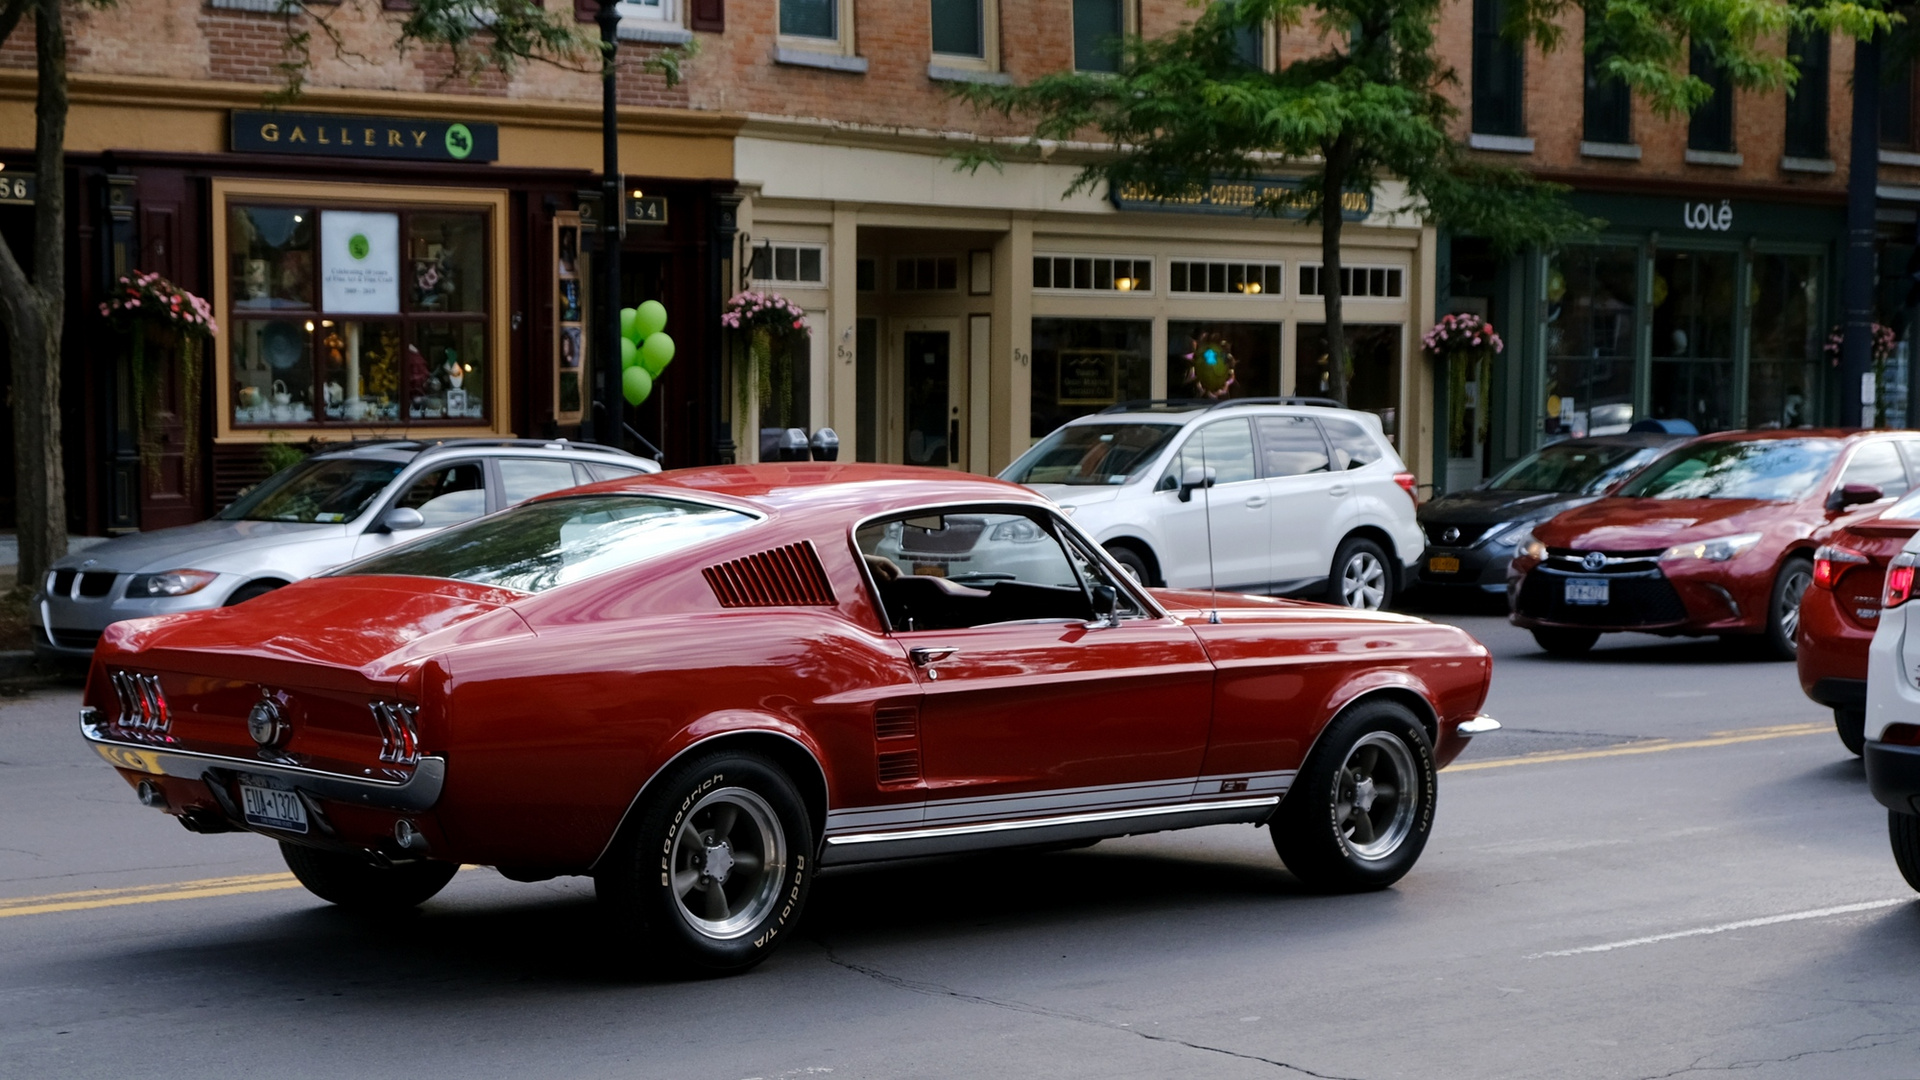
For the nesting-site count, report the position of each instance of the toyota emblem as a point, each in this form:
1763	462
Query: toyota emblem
1449	535
1595	560
267	724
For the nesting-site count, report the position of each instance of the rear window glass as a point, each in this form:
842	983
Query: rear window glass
538	546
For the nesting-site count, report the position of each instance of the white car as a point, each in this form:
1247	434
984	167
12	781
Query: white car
1307	498
1892	729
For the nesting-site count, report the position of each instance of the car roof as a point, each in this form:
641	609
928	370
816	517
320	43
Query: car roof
406	450
843	491
1185	411
1769	434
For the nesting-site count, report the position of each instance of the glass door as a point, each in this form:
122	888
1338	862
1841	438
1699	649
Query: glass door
933	394
1693	348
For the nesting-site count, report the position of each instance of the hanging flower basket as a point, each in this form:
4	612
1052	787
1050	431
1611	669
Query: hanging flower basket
770	322
1468	344
1884	340
147	305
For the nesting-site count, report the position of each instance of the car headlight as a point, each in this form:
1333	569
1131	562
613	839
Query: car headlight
169	583
1017	531
1513	532
1718	549
1528	546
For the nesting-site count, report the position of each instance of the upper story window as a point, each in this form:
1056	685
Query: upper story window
1225	278
1710	127
1092	273
1098	28
966	34
1499	73
1357	282
1896	105
817	26
926	273
646	20
1607	110
1807	108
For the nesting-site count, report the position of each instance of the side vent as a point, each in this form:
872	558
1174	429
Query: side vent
900	767
896	722
788	576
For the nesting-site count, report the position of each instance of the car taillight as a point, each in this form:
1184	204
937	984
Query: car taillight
1407	482
1899	588
1831	561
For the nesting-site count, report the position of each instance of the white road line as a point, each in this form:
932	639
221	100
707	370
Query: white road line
1744	924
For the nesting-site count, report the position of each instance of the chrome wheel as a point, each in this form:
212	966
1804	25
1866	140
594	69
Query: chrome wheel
1363	582
1376	792
1790	594
726	863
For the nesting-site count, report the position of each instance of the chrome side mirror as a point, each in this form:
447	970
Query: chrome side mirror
1195	477
402	518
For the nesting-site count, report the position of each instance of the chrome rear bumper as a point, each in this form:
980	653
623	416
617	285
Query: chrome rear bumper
1479	725
419	791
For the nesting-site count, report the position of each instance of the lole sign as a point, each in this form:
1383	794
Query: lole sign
1705	215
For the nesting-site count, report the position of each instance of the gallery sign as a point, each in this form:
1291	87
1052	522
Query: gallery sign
330	135
1242	197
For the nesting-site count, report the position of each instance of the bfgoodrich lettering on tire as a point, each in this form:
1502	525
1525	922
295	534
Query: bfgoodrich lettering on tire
716	871
1360	810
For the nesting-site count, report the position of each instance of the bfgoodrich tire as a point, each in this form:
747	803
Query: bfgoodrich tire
354	883
717	869
1781	640
1904	831
1360	810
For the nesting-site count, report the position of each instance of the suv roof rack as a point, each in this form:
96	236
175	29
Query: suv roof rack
1209	404
421	446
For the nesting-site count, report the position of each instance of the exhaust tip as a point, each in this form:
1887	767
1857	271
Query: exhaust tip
408	836
150	794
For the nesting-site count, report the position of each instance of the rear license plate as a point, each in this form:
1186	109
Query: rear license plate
271	809
1587	591
1444	564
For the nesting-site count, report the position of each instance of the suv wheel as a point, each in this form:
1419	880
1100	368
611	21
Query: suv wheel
1361	577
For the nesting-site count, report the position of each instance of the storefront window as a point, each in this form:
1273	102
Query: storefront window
1373	369
1590	347
1255	351
1693	314
377	317
1785	342
1081	366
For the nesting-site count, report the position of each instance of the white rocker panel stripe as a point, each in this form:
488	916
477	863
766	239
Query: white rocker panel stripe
1155	795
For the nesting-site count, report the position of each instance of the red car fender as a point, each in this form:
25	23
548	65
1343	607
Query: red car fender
702	734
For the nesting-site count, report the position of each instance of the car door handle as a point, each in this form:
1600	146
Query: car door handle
923	657
1256	502
1338	490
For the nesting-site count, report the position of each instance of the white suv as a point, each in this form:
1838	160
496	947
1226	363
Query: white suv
1308	499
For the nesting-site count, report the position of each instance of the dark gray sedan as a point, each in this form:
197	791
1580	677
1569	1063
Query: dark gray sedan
1470	533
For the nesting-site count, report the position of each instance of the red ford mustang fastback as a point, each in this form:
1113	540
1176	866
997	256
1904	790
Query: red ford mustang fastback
701	686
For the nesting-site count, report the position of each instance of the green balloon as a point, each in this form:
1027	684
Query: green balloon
629	353
656	353
636	384
649	319
629	317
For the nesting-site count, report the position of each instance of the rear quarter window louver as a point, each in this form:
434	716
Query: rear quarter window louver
789	576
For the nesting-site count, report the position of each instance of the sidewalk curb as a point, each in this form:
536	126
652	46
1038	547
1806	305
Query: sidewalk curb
17	663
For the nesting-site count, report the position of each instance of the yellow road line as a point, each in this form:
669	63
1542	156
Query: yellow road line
1652	746
145	894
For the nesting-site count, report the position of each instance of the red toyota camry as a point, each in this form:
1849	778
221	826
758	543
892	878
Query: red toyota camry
1840	613
701	687
1713	538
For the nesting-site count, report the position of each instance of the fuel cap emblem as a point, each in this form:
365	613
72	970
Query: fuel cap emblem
267	724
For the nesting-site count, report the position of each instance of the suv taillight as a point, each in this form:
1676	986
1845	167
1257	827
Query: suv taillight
1408	482
1831	561
1899	588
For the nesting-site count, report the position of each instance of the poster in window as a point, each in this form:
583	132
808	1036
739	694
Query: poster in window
569	257
359	263
570	348
1089	377
569	300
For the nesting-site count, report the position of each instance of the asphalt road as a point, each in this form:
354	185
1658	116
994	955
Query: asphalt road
1682	873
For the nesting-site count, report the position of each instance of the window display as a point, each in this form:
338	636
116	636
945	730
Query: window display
1081	366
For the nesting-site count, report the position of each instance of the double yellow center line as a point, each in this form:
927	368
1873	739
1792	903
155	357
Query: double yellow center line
205	888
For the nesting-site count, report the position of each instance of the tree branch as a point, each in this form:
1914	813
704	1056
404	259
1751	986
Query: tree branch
10	18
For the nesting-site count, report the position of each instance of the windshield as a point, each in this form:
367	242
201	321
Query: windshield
1091	454
542	545
324	490
1774	469
1573	468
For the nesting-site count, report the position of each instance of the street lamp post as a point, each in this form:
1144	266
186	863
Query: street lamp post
605	390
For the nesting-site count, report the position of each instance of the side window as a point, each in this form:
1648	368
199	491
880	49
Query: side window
1353	447
610	472
946	571
448	495
1225	446
523	478
1291	445
1878	464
